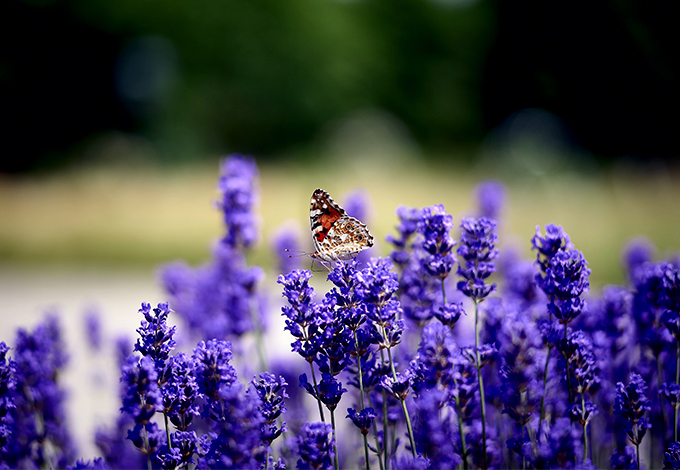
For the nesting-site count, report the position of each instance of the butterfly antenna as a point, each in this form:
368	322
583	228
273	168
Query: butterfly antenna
296	253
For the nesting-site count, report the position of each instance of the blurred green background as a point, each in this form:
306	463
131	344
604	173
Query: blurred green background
270	77
115	113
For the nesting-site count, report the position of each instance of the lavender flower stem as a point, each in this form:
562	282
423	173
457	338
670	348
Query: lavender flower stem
361	394
585	425
316	390
167	429
384	448
403	403
545	387
335	440
481	383
659	378
148	454
460	429
368	466
571	396
380	450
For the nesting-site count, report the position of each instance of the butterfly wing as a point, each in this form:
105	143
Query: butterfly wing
336	235
323	213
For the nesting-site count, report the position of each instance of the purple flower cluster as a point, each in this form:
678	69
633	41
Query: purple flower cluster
237	186
34	425
477	249
7	387
547	370
221	299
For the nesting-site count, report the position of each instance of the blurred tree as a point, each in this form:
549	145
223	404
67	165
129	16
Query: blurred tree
266	76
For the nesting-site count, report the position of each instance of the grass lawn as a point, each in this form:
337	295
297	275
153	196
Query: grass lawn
144	215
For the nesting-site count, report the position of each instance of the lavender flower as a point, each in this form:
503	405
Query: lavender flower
477	248
671	392
238	196
560	448
362	419
490	196
271	391
237	423
436	358
565	281
180	392
182	453
330	390
434	226
450	313
403	243
521	387
671	459
398	387
581	371
631	404
637	252
212	367
434	437
40	434
155	336
408	462
555	239
93	329
215	300
141	399
7	389
625	460
315	446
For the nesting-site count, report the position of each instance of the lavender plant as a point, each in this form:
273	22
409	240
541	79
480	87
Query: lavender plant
631	405
387	340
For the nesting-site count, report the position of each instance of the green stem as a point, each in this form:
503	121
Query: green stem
384	410
368	466
403	402
148	451
335	440
585	425
545	389
659	377
385	453
361	393
460	428
481	384
316	390
444	291
167	429
637	455
375	437
571	397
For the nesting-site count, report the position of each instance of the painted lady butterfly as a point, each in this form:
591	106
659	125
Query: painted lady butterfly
337	236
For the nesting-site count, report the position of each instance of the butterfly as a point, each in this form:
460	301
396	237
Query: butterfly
336	235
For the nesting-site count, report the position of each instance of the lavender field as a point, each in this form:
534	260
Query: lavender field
492	326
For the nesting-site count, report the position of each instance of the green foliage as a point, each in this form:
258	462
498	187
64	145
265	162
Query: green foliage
265	76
